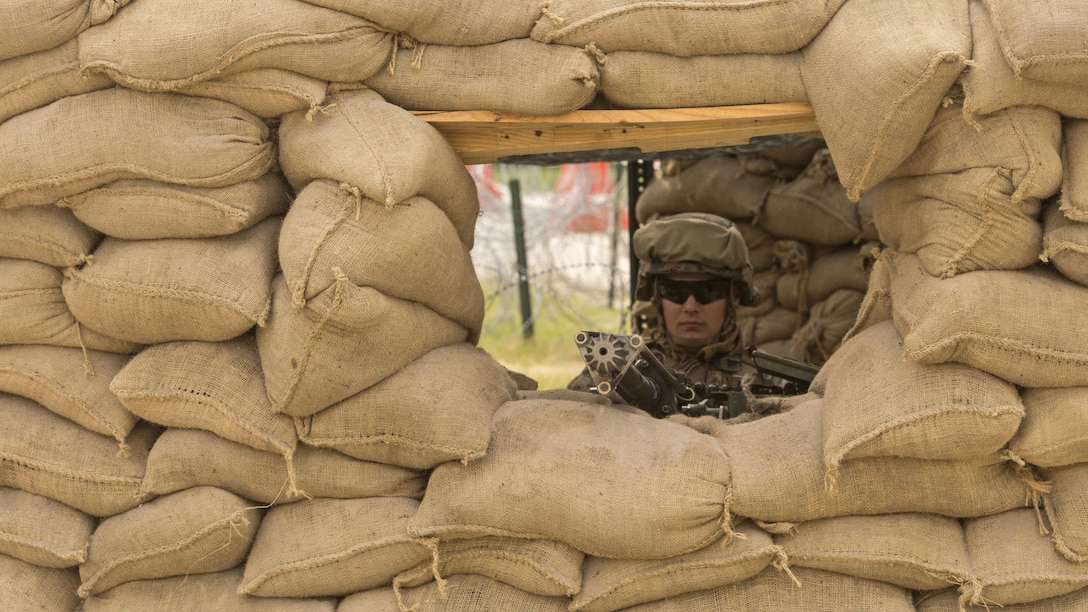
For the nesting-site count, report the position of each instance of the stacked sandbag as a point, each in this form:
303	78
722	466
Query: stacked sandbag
809	245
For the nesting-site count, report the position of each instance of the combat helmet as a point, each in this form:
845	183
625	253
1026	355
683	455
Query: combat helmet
693	242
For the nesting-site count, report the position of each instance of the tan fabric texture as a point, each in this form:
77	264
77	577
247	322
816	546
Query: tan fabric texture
460	592
42	531
1074	192
265	92
36	79
42	26
1054	432
1065	244
47	234
1065	510
25	586
717	185
1042	45
812	207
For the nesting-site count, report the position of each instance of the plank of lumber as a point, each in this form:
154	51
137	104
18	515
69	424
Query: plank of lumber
485	136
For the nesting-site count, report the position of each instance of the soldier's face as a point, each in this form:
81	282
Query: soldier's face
689	321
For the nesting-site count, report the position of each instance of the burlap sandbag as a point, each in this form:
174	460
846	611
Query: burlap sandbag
1065	244
777	324
287	34
460	22
519	76
767	488
827	324
812	208
345	340
195	531
36	25
409	251
48	455
1013	562
265	92
878	404
979	319
876	75
213	386
706	27
141	209
151	291
384	151
641	79
37	79
1066	504
25	586
453	594
760	245
212	591
71	382
118	133
436	408
48	234
35	312
183	458
1043	45
914	551
717	185
542	567
331	547
1074	192
949	601
991	84
42	531
656	489
1054	432
766	282
613	584
801	589
845	268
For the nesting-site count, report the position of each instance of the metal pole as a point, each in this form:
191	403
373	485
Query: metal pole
639	174
614	203
522	260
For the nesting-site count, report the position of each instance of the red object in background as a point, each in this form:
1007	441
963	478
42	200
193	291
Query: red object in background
598	197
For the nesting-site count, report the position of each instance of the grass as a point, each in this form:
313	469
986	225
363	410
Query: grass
549	356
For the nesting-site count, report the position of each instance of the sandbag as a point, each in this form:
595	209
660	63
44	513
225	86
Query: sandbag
978	319
990	83
265	92
212	386
1074	192
43	25
153	291
141	209
643	79
769	489
801	589
328	547
437	408
1043	45
715	27
777	324
914	551
845	268
641	465
42	531
184	458
949	601
51	376
613	584
1065	504
195	531
1065	244
460	22
454	594
48	455
118	133
345	340
946	411
25	586
717	185
542	567
383	151
1034	571
875	104
409	251
760	245
519	76
1054	431
812	208
48	234
211	591
828	322
287	34
32	300
36	79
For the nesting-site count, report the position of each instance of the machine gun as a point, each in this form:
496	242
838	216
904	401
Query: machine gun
623	365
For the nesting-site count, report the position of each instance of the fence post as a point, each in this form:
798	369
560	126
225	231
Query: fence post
522	260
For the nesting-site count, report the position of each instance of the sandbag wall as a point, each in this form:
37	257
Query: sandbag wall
811	247
237	362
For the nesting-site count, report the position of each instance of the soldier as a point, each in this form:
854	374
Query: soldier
694	271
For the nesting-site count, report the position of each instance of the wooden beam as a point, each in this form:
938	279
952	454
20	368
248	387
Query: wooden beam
486	136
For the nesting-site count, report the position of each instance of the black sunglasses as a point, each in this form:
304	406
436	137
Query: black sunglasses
705	291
